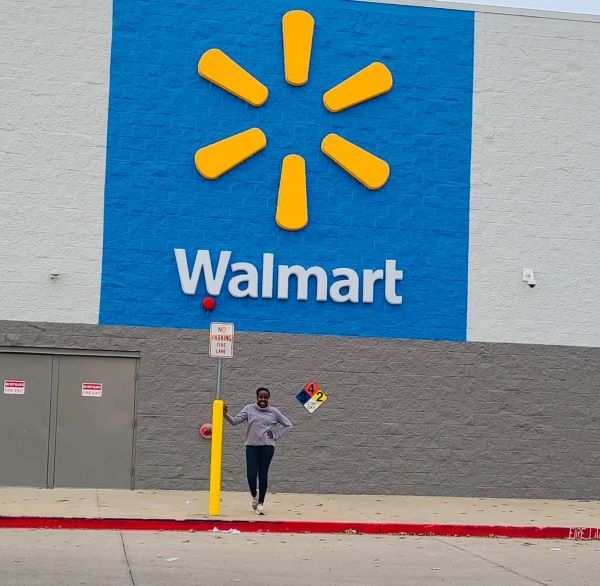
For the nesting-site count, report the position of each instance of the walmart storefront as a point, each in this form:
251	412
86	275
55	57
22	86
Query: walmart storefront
369	207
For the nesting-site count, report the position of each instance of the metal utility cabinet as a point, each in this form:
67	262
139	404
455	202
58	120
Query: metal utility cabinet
67	420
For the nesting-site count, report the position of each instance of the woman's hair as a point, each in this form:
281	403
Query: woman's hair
263	389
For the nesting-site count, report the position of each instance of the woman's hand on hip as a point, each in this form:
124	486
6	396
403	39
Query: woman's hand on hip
270	434
224	409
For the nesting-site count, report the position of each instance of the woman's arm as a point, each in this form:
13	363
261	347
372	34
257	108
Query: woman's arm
286	425
239	418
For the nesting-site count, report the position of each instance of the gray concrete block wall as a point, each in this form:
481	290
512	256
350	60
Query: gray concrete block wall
403	417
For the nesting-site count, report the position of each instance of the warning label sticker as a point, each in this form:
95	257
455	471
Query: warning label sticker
14	387
91	389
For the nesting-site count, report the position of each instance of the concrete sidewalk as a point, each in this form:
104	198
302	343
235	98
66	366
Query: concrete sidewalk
305	512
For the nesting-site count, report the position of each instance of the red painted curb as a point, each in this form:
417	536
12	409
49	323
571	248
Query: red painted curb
525	532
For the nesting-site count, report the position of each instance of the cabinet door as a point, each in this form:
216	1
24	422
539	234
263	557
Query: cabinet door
95	422
25	395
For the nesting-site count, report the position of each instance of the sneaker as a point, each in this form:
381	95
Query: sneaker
254	502
260	509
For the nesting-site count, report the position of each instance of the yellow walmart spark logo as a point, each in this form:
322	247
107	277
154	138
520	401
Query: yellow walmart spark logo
216	159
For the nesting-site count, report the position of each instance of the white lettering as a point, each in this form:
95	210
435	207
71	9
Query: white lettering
267	275
350	283
189	283
302	274
245	281
391	276
369	279
250	278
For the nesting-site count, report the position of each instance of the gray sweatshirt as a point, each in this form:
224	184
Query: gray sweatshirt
259	422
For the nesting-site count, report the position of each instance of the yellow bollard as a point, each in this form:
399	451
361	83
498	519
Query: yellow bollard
216	448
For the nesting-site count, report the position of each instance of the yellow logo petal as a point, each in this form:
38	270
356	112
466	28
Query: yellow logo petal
292	207
223	71
370	170
368	83
298	29
214	160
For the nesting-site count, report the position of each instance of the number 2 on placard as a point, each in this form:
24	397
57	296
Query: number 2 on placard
319	397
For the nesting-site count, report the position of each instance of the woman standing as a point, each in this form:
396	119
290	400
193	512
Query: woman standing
260	441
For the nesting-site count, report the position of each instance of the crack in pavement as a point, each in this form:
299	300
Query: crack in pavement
127	559
498	565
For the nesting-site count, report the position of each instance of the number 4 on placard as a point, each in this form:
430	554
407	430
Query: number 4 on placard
311	388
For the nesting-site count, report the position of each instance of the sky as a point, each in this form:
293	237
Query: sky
577	6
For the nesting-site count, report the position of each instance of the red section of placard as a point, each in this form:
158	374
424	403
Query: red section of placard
311	388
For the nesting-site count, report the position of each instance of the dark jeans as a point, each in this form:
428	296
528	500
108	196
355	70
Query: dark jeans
258	460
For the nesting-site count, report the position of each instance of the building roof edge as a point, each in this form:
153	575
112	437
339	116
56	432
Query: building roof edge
474	7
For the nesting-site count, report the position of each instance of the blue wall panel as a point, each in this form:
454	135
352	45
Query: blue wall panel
161	111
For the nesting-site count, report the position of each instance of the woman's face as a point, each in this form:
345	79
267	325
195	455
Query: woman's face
262	399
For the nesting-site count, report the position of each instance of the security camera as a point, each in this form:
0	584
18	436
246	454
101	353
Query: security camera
529	278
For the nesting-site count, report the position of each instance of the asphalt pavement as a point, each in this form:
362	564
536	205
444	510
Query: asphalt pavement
144	558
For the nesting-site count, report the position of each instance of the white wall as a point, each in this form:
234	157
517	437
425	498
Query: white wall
54	61
535	196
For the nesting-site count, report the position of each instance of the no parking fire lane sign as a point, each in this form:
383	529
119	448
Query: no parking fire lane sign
221	340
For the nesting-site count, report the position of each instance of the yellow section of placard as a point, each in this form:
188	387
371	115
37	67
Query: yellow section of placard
368	83
370	170
292	206
223	71
298	29
214	160
315	401
319	397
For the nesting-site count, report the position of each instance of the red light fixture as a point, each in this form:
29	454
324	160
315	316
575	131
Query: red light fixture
208	304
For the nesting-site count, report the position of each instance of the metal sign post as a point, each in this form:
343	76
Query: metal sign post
219	376
221	346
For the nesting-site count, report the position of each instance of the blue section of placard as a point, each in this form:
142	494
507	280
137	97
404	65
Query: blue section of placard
161	112
303	397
